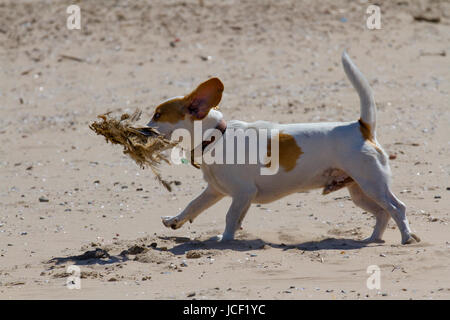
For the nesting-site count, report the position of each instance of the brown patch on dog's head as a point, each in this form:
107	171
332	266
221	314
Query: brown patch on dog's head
171	111
289	151
197	104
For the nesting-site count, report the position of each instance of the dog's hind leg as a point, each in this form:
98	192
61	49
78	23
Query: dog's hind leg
382	216
378	190
397	209
372	176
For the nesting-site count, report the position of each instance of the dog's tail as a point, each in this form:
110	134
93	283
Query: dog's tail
359	82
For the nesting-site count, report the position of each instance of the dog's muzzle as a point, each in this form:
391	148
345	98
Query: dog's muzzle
148	131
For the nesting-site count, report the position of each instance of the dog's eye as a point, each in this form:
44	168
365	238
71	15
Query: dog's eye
156	116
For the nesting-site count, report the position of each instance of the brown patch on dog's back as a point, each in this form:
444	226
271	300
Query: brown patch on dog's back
367	134
289	151
171	111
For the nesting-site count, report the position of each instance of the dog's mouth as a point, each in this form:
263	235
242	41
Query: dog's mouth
148	132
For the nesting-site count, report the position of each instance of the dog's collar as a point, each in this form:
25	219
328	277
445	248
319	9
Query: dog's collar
222	127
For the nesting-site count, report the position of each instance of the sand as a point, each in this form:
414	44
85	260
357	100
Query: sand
68	198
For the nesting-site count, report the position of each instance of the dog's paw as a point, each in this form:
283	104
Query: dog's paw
222	238
217	238
416	237
171	222
372	240
413	238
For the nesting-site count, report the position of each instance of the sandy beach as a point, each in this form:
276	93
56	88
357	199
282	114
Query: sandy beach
68	198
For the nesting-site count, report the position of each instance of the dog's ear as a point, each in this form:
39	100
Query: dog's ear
206	96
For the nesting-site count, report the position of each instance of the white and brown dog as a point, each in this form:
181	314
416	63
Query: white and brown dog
311	155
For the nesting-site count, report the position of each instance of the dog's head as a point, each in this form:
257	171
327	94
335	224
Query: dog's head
181	112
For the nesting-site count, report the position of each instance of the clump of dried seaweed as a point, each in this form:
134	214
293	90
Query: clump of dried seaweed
143	145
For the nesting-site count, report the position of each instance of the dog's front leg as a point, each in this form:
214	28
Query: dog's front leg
239	207
205	200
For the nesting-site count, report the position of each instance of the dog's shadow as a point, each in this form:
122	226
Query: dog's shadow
97	256
183	245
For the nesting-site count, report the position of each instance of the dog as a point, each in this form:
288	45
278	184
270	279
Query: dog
310	156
